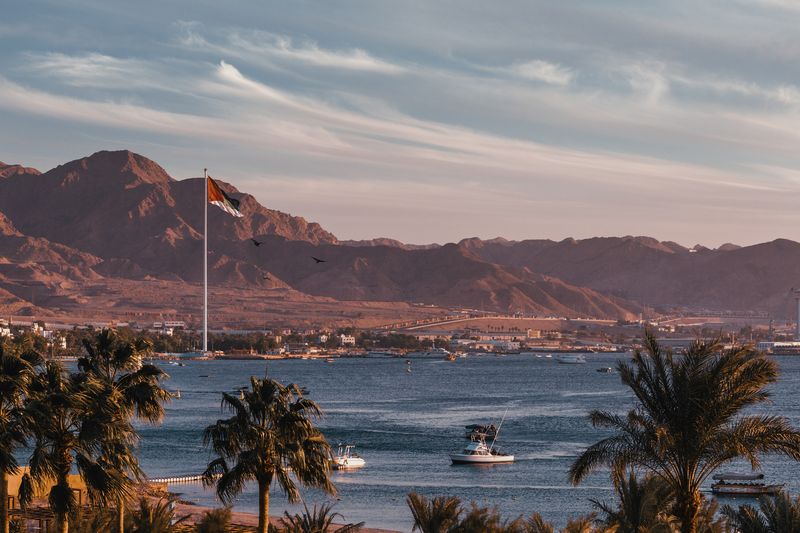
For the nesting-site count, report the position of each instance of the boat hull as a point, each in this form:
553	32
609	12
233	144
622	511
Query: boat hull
733	489
461	459
349	464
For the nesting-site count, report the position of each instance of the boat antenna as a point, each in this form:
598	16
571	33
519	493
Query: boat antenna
496	433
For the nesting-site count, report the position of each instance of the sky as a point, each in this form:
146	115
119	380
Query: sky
432	121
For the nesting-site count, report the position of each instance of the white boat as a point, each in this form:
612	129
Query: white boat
606	370
346	458
571	359
736	484
477	452
435	353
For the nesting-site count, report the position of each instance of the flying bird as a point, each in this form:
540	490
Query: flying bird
318	260
257	243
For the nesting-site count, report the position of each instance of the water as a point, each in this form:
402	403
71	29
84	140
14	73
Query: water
404	425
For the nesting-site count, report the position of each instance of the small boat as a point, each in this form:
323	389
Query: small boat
736	484
346	458
434	353
408	369
606	370
571	359
477	452
176	395
330	360
408	362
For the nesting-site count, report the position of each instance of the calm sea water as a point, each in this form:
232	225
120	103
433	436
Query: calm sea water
404	425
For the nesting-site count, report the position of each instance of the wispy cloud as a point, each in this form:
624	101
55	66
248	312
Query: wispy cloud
543	71
260	46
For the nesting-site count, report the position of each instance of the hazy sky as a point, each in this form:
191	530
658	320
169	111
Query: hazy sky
432	120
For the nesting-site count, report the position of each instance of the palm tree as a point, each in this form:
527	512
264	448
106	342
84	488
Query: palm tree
126	389
536	524
643	505
774	515
317	521
488	520
581	524
15	375
215	521
687	420
59	405
155	517
437	515
270	437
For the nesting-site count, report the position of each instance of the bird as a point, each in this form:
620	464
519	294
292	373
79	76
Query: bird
257	243
318	260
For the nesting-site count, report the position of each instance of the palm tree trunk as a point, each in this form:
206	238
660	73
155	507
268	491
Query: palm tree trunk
263	507
120	515
687	509
4	502
62	523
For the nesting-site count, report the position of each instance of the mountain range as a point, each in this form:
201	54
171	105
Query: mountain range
77	233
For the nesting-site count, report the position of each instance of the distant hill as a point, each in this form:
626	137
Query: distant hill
120	216
664	274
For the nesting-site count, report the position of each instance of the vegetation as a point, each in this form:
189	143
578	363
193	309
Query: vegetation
688	420
124	388
215	521
774	515
317	520
16	374
67	435
154	517
270	434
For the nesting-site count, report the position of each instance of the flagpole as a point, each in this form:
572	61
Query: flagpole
205	260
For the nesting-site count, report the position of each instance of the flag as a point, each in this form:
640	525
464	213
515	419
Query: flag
218	197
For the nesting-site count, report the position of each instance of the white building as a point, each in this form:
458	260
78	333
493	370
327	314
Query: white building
347	340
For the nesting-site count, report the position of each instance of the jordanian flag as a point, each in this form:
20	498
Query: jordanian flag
218	197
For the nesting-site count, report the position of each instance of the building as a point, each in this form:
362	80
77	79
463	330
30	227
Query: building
347	340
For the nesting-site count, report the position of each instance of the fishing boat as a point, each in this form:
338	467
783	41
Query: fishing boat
737	484
477	452
346	458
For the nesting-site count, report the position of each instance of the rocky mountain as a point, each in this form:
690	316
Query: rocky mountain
662	274
120	216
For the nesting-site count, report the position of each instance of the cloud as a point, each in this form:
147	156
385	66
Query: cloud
543	71
98	70
260	46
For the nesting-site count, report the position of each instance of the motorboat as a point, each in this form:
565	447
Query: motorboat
606	370
346	458
738	484
330	360
571	359
477	452
434	353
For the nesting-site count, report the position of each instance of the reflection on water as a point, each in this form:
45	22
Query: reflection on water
404	424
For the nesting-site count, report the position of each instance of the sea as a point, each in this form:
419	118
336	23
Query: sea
404	424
